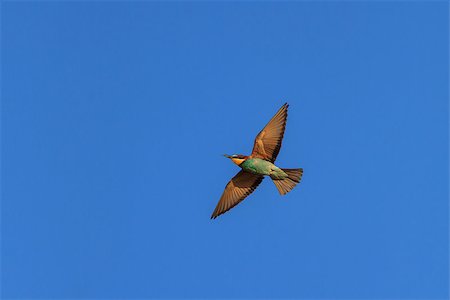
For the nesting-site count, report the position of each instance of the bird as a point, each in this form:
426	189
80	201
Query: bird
258	164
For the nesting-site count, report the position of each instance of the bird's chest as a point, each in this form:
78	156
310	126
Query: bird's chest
257	166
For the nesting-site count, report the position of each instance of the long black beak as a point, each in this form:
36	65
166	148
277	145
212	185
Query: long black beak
227	156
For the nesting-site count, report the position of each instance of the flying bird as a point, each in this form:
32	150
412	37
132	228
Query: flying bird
259	164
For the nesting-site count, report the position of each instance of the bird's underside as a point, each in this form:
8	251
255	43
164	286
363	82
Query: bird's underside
265	151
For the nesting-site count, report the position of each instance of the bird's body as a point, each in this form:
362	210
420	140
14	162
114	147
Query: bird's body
259	164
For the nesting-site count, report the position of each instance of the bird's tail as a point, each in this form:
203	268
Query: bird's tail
287	184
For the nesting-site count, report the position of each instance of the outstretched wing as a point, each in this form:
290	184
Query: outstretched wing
268	141
239	187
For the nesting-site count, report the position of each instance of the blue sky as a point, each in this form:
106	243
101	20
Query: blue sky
115	116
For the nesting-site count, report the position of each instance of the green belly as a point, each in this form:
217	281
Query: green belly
256	166
262	167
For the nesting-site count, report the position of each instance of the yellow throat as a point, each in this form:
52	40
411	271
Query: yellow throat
237	161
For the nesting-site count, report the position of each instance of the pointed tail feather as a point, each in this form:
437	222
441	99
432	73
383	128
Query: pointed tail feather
286	185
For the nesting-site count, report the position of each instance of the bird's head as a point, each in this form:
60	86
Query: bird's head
237	158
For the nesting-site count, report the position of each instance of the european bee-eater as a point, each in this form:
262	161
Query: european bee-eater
258	164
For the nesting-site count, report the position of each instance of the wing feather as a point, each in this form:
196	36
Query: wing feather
268	142
239	187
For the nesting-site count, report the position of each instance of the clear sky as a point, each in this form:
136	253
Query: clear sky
115	116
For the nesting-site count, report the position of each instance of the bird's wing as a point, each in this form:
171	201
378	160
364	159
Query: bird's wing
268	141
239	187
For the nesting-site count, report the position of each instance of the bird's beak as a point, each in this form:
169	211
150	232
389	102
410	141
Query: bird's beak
227	156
